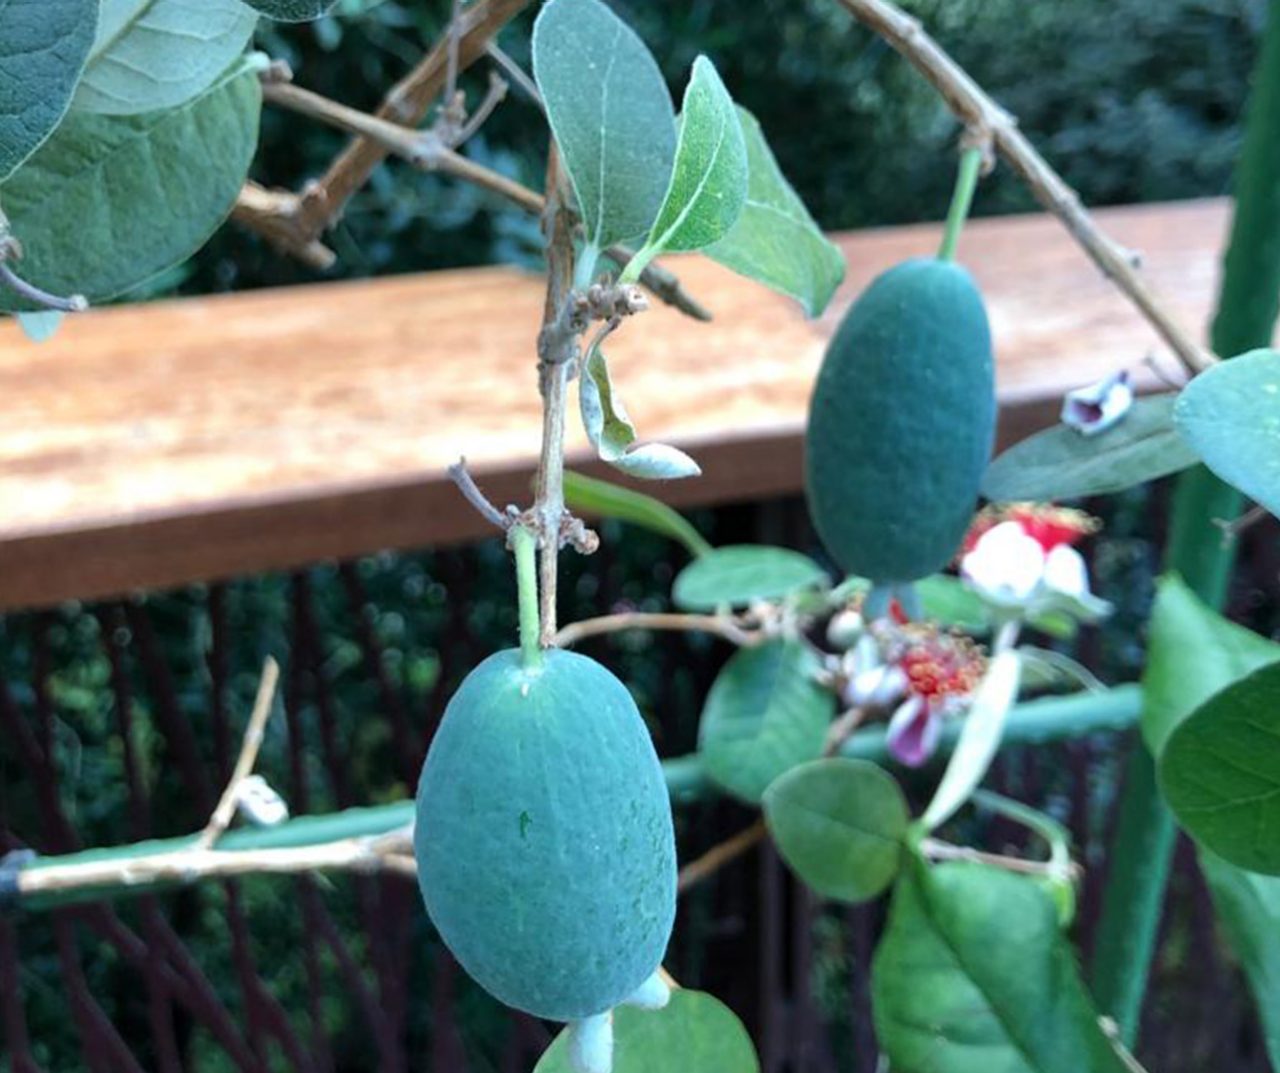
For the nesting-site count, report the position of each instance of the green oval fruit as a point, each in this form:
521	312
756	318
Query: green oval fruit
902	423
543	836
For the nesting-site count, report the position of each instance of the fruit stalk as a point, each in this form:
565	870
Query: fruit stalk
961	200
524	544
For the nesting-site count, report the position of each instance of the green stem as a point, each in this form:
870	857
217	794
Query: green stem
961	200
524	544
1247	310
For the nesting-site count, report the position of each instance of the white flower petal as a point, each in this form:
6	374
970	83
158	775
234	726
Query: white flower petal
260	804
1096	408
1006	564
1065	572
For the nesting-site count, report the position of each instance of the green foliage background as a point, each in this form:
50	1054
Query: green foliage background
1131	100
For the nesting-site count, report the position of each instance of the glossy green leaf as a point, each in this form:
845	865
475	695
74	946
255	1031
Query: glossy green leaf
1249	907
1230	414
951	602
775	241
109	201
293	10
42	326
1060	463
1192	652
694	1031
739	575
591	496
611	114
979	738
1058	879
973	975
613	435
1220	772
709	182
43	48
764	715
839	825
153	54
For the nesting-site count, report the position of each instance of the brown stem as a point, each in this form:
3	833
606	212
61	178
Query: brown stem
718	856
269	212
557	352
995	127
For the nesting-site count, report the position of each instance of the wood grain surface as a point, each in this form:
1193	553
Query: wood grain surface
152	445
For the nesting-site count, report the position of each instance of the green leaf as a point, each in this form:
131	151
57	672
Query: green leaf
1249	907
611	114
973	975
40	327
696	1031
43	48
153	54
1192	652
109	201
775	241
979	739
592	496
737	576
709	181
293	10
1230	414
765	714
1060	463
950	601
1220	772
839	825
612	434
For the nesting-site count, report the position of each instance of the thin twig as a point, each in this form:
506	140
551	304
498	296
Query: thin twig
76	303
842	729
988	122
262	707
515	72
937	850
720	626
454	36
718	856
1231	529
266	209
495	96
466	484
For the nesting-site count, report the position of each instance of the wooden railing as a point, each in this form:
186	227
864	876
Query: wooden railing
152	445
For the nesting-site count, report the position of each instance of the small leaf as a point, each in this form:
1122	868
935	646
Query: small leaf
611	114
950	601
979	739
592	496
764	715
43	48
709	182
611	433
1192	652
1220	772
153	54
696	1029
109	201
41	327
973	975
1249	907
293	10
737	576
839	825
1060	463
1230	414
775	241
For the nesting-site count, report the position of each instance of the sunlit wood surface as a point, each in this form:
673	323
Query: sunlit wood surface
147	446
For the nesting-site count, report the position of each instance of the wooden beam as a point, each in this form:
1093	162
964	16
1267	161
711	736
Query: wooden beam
148	446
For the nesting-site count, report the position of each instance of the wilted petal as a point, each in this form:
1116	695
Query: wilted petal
1093	409
913	732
